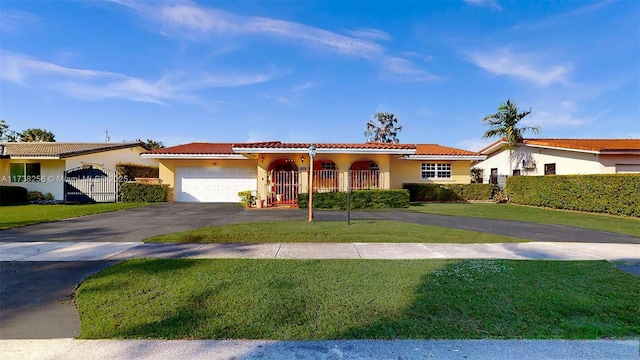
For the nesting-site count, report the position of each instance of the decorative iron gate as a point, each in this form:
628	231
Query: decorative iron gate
90	184
284	187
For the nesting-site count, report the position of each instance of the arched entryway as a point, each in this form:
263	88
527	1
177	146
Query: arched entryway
325	176
283	183
364	175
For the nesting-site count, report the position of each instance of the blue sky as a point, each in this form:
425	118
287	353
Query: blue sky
302	71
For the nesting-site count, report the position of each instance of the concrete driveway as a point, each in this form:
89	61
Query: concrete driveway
133	225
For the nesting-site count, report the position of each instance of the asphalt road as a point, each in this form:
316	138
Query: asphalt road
36	298
140	223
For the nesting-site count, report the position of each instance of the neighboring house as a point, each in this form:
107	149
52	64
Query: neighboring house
278	172
560	157
69	171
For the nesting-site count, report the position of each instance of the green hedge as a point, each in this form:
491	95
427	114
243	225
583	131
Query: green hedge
129	172
450	192
11	195
360	199
613	194
139	192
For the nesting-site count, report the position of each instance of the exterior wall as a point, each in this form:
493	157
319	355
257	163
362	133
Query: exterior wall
609	162
168	169
567	162
51	175
109	159
409	171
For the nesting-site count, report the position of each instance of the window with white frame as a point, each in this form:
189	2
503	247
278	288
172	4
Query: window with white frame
435	171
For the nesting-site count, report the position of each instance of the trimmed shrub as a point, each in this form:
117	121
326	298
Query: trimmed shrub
12	195
451	192
617	194
139	192
360	199
129	172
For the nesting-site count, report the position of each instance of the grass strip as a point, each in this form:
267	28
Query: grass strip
21	215
359	299
330	231
617	224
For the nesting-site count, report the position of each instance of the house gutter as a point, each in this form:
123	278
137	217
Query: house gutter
445	157
325	151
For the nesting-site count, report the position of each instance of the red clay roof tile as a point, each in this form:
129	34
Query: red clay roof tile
196	148
435	149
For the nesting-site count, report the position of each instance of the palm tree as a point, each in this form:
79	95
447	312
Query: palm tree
383	128
504	123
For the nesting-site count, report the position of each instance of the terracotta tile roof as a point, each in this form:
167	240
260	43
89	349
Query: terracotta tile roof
601	145
196	149
435	149
598	145
61	149
281	145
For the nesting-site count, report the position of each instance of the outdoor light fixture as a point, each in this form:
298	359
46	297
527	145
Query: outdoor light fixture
262	157
312	153
302	158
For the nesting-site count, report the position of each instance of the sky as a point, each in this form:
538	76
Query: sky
304	71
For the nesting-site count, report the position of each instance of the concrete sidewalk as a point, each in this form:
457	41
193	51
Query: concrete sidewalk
99	251
331	349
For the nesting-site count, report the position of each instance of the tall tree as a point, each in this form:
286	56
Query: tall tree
152	144
36	135
504	123
383	128
7	135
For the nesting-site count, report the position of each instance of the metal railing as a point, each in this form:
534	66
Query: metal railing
365	179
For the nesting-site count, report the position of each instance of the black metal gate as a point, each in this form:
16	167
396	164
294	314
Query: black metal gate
90	184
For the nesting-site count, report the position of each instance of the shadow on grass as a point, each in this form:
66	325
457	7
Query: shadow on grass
468	299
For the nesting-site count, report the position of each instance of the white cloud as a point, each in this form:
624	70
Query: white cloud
189	19
15	20
522	66
279	99
303	87
485	3
474	144
96	85
370	34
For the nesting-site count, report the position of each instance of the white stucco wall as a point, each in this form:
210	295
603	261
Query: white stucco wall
51	176
52	171
109	159
567	162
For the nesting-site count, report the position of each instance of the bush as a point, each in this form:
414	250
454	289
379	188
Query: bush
129	172
613	194
138	192
246	198
11	195
451	192
360	199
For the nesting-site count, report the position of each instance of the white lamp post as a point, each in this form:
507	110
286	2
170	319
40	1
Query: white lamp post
312	153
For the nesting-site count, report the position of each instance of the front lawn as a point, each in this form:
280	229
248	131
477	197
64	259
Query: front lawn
330	231
20	215
616	224
359	299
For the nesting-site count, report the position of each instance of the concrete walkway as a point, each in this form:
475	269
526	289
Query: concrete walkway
99	251
70	349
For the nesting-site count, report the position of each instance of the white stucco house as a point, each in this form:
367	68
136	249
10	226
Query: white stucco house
559	157
84	170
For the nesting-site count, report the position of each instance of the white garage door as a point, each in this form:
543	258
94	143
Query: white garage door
214	184
628	168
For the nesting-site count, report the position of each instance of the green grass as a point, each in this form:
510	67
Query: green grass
359	299
330	231
21	215
617	224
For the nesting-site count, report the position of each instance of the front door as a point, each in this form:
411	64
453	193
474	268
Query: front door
494	176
